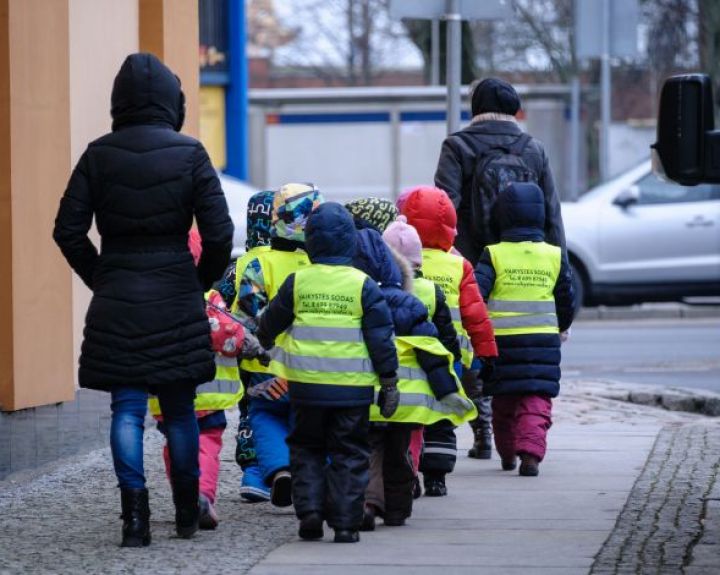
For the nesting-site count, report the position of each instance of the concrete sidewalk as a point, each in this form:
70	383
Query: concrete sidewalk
497	522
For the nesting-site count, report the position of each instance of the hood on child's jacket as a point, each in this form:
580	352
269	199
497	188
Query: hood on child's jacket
292	205
145	91
330	236
394	276
259	219
520	212
432	214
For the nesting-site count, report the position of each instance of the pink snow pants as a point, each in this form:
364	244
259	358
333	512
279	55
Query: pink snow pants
210	446
416	445
520	424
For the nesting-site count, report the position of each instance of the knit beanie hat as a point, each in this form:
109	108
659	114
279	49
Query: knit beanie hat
404	239
494	95
292	205
377	213
259	219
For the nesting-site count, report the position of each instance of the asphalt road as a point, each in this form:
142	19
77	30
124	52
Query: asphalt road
682	352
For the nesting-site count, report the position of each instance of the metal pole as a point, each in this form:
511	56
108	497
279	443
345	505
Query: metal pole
574	191
395	146
435	52
605	97
453	65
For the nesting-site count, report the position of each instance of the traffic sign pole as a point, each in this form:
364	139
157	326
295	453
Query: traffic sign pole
454	55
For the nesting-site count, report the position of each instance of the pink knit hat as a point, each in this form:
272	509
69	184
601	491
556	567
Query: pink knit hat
404	239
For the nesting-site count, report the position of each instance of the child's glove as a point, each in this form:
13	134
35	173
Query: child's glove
564	335
389	396
272	389
457	404
252	349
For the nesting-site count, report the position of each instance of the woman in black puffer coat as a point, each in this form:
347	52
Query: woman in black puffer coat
146	328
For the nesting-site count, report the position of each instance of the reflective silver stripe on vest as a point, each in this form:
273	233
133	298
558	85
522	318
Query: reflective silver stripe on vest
455	314
411	373
322	364
315	333
521	306
223	361
530	320
219	386
465	343
421	400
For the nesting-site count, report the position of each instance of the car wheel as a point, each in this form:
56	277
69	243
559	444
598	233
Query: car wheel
578	283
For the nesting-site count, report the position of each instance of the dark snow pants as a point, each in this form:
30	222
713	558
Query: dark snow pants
329	460
440	450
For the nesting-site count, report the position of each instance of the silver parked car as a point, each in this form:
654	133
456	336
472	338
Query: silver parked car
637	238
237	194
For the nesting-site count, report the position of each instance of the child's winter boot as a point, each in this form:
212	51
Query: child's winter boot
311	527
208	518
368	520
435	485
187	510
281	492
252	485
346	536
136	518
529	465
509	463
482	446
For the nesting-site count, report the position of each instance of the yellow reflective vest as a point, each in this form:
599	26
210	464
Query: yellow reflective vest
522	300
276	266
424	290
446	270
325	344
418	404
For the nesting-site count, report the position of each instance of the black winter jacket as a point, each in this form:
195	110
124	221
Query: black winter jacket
527	363
144	183
330	239
454	173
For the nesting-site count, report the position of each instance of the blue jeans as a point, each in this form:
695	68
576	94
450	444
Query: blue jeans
129	407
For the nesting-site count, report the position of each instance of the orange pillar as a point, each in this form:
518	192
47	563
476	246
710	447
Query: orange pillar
169	29
36	365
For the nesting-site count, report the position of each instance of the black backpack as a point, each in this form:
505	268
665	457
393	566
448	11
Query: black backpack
496	167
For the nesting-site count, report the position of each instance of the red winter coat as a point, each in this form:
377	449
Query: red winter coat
432	214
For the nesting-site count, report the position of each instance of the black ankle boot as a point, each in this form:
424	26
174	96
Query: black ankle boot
311	527
136	518
482	446
187	510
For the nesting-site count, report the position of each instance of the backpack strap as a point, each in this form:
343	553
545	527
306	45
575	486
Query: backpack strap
518	147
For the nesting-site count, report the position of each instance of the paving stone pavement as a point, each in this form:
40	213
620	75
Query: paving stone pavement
662	521
67	521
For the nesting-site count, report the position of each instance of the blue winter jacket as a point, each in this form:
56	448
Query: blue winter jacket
330	239
409	314
527	363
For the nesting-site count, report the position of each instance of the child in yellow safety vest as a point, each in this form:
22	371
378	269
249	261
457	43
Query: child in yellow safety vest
429	389
337	345
230	342
432	214
528	286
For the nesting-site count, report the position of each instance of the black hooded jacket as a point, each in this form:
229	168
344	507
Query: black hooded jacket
144	183
458	156
527	363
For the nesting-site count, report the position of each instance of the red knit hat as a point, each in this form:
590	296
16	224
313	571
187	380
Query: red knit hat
432	214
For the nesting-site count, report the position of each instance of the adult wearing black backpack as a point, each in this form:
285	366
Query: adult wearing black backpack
475	164
487	155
